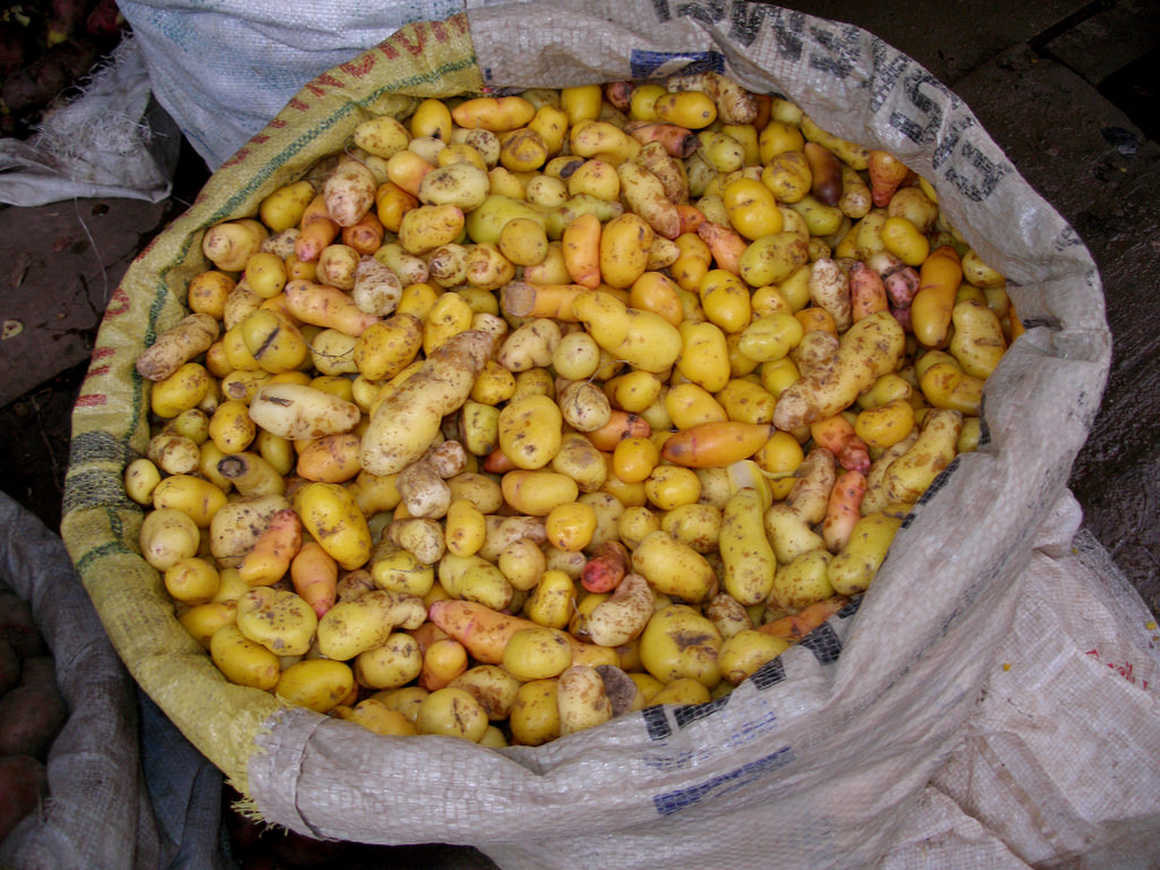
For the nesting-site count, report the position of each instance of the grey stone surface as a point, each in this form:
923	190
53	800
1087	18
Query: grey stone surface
950	38
58	266
1114	36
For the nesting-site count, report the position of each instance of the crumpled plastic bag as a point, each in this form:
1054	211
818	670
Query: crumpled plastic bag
223	70
112	141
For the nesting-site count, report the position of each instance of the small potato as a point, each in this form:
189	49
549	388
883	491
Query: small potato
523	564
203	620
181	391
280	621
853	569
196	498
537	653
576	357
397	570
450	712
553	600
394	664
192	581
495	114
581	461
535	716
236	526
748	557
742	654
329	513
673	568
299	412
584	406
536	492
492	687
885	425
670	486
910	474
318	684
374	715
167	537
524	242
697	525
978	343
581	699
243	661
386	348
141	478
803	582
530	431
531	345
383	136
678	642
623	616
427	227
571	526
704	356
355	626
458	184
729	616
173	454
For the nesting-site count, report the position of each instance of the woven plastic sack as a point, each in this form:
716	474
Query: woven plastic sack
819	758
98	812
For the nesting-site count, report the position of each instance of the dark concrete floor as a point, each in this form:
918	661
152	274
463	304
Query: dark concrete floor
1063	86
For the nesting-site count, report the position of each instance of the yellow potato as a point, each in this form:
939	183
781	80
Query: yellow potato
677	643
910	474
394	664
536	492
852	570
493	688
581	699
329	513
192	581
243	661
743	653
279	620
203	620
450	712
355	626
396	570
537	653
749	560
535	717
318	684
803	582
530	431
553	600
673	568
427	227
167	537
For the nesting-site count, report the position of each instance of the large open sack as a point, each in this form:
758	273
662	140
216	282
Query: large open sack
825	755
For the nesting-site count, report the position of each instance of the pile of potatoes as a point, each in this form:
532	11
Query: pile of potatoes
32	711
523	412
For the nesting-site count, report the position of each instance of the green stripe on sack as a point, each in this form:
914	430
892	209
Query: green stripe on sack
98	446
112	548
91	489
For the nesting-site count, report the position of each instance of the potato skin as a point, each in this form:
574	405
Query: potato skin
407	421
